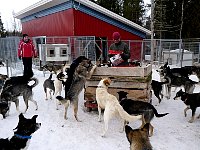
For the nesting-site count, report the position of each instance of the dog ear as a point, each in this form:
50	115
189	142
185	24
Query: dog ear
146	129
21	116
128	130
34	117
107	81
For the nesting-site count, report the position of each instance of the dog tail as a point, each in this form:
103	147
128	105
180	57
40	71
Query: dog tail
169	81
50	77
156	112
124	115
36	82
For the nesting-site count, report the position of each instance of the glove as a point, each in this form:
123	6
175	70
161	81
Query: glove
20	57
122	56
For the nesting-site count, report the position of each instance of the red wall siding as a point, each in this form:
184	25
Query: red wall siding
75	23
58	24
88	25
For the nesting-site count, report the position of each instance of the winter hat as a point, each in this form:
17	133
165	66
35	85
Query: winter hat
24	35
116	36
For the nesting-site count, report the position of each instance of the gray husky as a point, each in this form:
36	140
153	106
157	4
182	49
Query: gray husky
11	92
82	72
49	85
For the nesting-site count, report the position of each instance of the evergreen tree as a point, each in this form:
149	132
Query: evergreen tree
2	30
134	10
113	5
167	19
191	19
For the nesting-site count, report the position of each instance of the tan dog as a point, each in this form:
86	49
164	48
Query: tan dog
138	138
110	104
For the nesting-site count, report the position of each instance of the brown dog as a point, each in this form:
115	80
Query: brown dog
138	138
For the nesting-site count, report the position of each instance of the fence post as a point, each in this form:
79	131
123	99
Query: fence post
7	68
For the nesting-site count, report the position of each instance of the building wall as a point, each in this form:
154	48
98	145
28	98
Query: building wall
72	22
57	24
88	25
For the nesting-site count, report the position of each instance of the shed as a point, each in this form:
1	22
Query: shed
79	18
174	57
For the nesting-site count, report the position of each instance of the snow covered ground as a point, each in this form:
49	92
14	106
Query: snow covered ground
171	132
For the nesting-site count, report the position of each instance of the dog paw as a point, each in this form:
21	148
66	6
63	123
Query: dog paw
1	117
191	121
121	130
103	135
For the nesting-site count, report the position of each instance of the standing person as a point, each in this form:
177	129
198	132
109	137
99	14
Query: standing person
119	48
26	51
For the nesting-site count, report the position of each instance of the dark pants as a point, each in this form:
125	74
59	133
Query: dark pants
27	62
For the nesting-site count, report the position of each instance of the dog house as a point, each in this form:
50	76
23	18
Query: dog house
54	52
174	57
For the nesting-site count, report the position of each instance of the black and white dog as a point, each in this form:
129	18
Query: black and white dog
135	107
18	86
59	81
22	134
3	78
49	87
191	100
177	80
4	108
157	89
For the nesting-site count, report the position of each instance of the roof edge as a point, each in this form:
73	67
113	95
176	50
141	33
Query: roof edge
44	4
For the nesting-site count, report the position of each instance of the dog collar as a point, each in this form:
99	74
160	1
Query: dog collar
23	136
101	87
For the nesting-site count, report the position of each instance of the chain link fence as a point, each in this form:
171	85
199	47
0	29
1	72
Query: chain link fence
66	49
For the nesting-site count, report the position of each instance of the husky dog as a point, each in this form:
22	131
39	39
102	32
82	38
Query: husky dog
3	78
157	89
59	82
133	107
191	100
82	72
110	104
11	92
4	108
48	85
22	134
138	138
177	81
52	67
16	80
70	72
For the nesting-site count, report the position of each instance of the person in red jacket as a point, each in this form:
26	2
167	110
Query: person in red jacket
26	51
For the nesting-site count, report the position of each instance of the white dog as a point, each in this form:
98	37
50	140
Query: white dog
61	77
110	104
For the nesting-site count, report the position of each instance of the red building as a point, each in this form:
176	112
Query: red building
77	18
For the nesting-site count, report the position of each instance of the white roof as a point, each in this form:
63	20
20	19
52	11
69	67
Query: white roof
179	50
44	4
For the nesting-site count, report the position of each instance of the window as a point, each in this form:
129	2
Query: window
63	52
51	53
